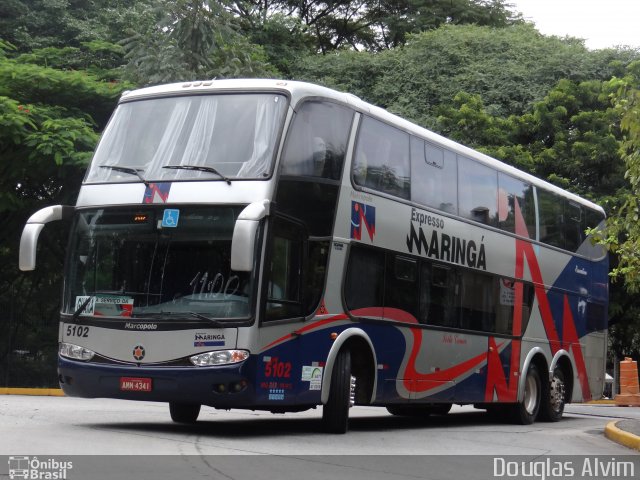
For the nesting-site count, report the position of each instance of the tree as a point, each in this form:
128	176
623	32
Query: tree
622	235
49	121
34	24
371	25
189	40
510	68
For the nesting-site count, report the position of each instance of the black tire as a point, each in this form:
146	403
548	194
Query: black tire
417	410
526	411
184	412
440	408
408	410
554	398
335	413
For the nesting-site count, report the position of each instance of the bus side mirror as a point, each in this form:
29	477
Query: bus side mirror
31	232
244	235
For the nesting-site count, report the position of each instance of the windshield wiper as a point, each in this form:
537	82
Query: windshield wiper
81	309
129	170
171	315
198	168
213	321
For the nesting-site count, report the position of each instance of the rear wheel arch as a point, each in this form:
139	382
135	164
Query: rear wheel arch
534	357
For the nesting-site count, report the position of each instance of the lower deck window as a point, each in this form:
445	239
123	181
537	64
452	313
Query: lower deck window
392	286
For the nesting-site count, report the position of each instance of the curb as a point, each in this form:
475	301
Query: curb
612	432
46	392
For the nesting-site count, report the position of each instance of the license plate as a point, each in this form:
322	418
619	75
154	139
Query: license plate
134	384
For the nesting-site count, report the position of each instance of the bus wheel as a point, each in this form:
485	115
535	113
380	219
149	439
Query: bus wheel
526	411
184	412
440	408
335	414
552	406
407	411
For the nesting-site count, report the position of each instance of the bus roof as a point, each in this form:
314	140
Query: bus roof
301	90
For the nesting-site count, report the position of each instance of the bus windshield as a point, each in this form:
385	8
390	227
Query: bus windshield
197	137
156	262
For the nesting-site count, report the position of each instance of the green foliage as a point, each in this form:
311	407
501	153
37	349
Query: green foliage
49	123
622	234
371	25
192	39
36	24
470	69
510	68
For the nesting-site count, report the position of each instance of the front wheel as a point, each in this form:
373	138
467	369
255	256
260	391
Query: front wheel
526	411
335	414
184	412
554	399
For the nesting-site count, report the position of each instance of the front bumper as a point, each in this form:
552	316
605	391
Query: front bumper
169	384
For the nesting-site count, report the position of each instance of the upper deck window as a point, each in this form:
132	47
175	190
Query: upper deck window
477	191
382	158
317	141
434	173
236	134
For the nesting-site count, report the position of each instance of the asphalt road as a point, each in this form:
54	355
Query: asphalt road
122	439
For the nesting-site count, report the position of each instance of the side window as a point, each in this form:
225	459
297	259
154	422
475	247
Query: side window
434	180
381	159
478	300
505	310
514	195
317	141
438	295
477	191
550	208
573	226
365	279
592	218
315	274
401	287
284	293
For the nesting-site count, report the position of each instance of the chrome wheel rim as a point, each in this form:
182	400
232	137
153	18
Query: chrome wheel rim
557	394
530	395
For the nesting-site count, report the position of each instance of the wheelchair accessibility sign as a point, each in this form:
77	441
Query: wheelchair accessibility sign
170	218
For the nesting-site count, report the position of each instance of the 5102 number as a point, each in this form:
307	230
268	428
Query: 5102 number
276	368
77	331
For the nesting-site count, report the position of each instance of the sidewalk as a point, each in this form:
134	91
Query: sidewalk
624	432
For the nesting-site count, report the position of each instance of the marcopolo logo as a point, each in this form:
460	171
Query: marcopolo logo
33	468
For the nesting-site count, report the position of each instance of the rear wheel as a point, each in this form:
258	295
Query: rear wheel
184	412
419	410
335	414
440	408
552	406
526	411
408	410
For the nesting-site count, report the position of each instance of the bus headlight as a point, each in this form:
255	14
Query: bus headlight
75	352
219	357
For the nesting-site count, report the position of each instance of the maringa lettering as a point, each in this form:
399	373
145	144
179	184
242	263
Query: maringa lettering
447	248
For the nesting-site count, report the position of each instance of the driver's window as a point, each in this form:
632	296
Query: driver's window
284	271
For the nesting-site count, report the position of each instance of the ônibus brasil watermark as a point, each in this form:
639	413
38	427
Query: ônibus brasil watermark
33	468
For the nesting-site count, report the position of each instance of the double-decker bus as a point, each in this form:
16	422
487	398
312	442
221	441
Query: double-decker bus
276	245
